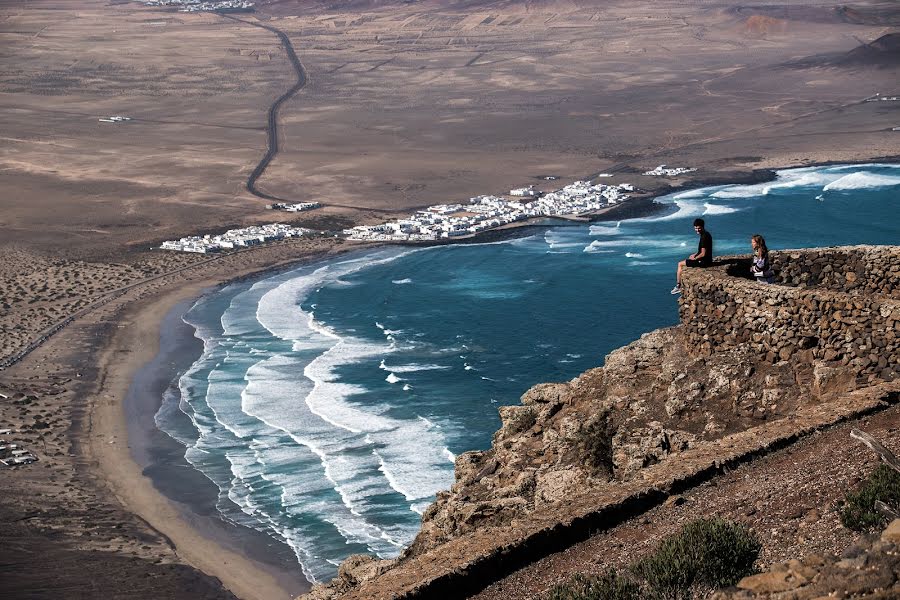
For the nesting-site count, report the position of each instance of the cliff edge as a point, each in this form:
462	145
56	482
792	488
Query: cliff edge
751	367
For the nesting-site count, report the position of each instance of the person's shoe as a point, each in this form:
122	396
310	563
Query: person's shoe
676	290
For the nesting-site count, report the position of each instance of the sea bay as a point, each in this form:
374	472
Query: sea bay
330	400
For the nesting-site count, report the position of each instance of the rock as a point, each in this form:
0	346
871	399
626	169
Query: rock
555	486
545	393
675	501
832	380
638	448
892	533
773	581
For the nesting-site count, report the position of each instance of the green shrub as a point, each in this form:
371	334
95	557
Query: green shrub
706	554
858	509
609	586
594	443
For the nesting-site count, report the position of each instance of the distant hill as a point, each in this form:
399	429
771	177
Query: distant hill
882	53
884	13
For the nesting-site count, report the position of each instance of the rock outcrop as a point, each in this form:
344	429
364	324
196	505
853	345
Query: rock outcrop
868	569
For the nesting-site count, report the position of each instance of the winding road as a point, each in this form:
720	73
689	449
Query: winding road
272	124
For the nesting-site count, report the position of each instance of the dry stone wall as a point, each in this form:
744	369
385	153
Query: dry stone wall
838	305
852	269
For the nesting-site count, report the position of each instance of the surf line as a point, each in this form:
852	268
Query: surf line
272	124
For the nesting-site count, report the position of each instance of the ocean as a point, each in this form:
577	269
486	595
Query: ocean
330	400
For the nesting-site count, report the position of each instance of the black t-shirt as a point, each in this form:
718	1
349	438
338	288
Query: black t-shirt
705	242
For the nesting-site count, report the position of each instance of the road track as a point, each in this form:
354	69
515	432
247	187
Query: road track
272	122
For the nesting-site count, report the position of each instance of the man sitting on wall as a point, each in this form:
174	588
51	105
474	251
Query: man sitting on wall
701	258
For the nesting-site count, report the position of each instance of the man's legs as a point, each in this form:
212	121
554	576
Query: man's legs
677	288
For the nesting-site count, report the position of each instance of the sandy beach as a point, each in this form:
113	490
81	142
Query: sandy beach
196	538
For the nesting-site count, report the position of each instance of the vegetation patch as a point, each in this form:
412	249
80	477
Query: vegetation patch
609	586
705	555
594	444
858	512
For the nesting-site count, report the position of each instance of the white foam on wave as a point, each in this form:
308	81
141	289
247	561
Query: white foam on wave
391	378
685	210
238	318
863	180
279	309
403	281
718	209
406	448
410	461
597	247
645	244
327	400
388	333
643	263
560	240
604	230
699	193
634	255
412	368
271	396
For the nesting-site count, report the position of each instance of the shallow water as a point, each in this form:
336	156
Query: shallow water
331	400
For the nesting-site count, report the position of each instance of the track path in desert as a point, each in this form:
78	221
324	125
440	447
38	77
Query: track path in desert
272	122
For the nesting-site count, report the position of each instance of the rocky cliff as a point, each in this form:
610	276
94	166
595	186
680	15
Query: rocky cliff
656	415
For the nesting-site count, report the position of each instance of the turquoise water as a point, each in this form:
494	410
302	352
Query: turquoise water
331	400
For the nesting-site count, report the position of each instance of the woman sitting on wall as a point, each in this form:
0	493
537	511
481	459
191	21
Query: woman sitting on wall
761	267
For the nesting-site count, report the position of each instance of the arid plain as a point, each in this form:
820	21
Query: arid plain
406	104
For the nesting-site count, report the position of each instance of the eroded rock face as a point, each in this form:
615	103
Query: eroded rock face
651	400
352	572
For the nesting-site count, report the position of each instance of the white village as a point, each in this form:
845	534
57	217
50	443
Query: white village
203	5
434	223
234	238
664	171
445	221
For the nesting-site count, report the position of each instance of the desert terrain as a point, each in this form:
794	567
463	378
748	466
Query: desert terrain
405	105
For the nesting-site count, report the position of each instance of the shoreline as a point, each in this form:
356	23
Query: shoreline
208	544
132	348
162	457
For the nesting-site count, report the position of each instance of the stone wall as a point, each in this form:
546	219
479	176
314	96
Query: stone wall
834	304
852	269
